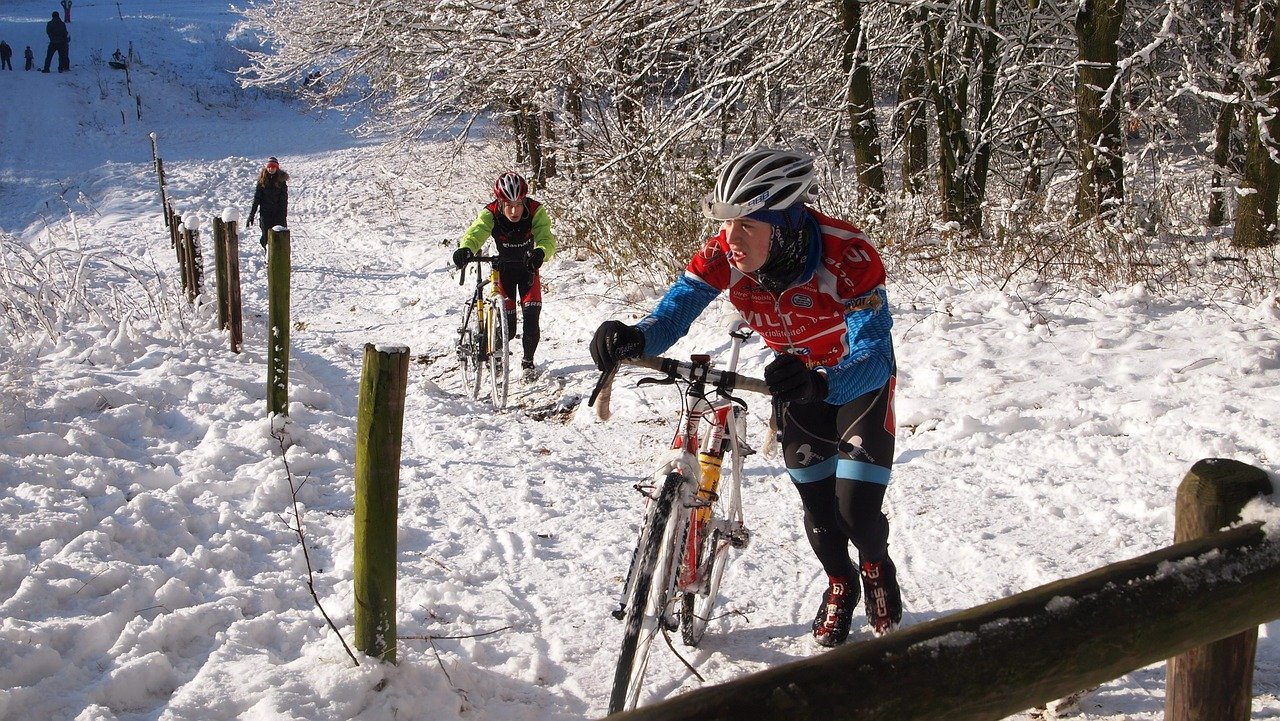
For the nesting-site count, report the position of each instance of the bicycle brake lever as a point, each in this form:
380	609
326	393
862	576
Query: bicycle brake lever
734	399
668	381
604	380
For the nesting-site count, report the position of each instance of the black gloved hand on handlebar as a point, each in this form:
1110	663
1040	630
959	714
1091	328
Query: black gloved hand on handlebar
535	258
790	380
615	341
461	256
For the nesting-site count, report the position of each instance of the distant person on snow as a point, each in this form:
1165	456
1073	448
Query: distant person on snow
271	197
59	42
813	288
6	56
521	230
30	58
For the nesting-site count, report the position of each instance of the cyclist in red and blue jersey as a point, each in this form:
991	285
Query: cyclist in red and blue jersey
813	288
521	231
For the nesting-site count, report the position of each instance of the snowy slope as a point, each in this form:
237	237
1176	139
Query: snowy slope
148	568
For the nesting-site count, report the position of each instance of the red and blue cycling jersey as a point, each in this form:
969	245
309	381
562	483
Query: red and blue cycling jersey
835	315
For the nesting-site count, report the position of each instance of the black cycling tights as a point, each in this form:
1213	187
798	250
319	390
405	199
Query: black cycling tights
532	331
840	511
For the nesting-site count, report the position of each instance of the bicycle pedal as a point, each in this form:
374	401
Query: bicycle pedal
739	538
745	450
619	613
700	502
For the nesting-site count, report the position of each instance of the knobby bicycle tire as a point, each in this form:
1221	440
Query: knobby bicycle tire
655	568
471	350
500	356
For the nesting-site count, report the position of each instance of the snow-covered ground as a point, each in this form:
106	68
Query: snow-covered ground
148	567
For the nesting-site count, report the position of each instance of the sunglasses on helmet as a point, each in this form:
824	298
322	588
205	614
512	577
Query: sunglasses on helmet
720	210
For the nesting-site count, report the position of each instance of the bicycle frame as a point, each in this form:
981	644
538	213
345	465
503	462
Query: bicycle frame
711	450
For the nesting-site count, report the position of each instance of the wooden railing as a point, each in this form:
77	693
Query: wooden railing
1023	651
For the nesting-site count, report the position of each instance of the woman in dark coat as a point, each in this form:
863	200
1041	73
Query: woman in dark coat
271	197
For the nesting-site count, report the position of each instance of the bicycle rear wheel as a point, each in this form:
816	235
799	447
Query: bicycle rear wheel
652	591
471	350
500	357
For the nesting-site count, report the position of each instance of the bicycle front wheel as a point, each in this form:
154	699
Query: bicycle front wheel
471	351
500	358
652	592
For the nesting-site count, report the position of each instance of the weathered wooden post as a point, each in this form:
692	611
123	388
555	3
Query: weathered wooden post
194	268
379	423
195	256
1214	682
220	270
164	200
235	318
175	237
278	320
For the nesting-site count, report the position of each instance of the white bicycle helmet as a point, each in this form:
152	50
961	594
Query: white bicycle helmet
760	180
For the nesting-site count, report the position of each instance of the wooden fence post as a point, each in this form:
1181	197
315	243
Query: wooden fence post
164	200
235	318
220	270
1214	682
278	320
175	237
194	265
379	424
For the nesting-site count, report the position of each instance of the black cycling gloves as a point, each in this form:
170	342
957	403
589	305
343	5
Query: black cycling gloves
461	256
789	379
615	341
536	256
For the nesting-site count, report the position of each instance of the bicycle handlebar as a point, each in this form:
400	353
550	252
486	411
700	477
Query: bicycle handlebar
723	381
494	259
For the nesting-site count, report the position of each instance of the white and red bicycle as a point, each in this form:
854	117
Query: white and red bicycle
693	510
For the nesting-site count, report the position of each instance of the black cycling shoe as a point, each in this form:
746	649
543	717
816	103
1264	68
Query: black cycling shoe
884	598
831	625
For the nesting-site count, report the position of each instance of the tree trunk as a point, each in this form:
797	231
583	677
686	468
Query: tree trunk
963	149
1256	211
573	117
953	144
911	120
861	108
1100	139
519	132
989	45
1223	152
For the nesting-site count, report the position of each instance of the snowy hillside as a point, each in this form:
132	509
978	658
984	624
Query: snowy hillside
148	566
